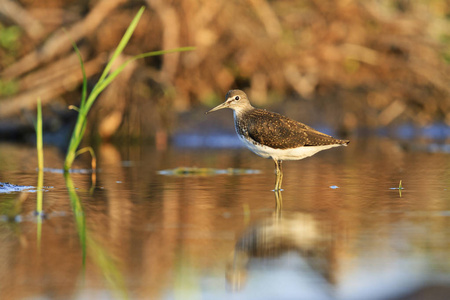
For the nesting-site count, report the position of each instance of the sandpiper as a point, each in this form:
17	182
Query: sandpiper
271	135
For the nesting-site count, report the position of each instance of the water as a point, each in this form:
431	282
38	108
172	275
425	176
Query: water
345	230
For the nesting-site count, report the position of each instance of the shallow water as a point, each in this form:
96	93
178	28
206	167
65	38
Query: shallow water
345	230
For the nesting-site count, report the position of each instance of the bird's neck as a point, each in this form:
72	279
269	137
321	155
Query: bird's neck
242	110
240	121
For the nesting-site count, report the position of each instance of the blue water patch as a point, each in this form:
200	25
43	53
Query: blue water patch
436	131
217	140
334	187
406	131
436	148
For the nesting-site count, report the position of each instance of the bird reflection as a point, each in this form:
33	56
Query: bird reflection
275	236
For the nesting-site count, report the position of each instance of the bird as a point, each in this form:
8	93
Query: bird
272	135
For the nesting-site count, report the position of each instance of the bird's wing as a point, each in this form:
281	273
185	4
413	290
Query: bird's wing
279	132
316	138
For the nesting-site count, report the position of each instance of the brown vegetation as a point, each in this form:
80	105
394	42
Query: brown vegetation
374	63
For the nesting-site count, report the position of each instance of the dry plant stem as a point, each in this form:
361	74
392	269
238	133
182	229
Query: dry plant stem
268	17
21	17
171	39
60	42
14	105
55	71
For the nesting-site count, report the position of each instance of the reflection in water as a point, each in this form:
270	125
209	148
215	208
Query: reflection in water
39	211
283	233
150	236
80	219
89	245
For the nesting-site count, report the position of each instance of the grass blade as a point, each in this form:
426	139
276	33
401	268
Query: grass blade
39	139
117	71
40	183
123	42
83	71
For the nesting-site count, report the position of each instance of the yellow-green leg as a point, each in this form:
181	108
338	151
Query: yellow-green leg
279	175
278	203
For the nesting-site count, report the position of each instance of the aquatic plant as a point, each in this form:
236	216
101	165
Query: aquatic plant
105	79
40	183
39	140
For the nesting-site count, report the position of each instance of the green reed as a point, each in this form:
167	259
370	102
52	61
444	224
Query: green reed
39	141
40	183
105	79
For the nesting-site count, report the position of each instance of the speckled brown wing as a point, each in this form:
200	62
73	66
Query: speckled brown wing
316	138
279	132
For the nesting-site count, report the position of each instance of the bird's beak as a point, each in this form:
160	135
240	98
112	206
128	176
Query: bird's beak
220	106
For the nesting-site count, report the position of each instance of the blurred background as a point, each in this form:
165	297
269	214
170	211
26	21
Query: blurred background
350	65
369	221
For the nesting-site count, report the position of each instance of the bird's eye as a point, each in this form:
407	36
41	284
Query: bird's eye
237	98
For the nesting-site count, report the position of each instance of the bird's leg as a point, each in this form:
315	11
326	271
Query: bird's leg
279	175
276	182
278	203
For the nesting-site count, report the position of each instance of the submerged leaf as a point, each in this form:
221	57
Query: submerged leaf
185	171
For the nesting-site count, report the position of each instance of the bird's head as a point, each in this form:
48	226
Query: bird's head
236	100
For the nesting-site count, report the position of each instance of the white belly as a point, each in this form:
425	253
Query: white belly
285	154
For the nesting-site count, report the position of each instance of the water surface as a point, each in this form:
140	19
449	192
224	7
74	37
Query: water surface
344	231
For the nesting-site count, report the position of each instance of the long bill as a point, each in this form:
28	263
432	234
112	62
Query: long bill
220	106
